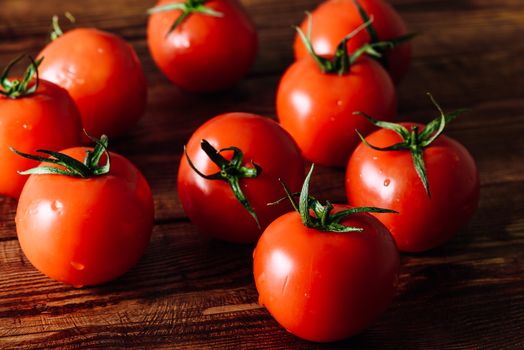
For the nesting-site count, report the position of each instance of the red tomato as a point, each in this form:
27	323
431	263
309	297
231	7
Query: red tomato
334	19
204	53
211	204
388	179
319	282
47	118
316	108
103	75
85	231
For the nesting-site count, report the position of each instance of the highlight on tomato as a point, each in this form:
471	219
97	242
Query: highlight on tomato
202	46
317	96
34	113
333	19
430	179
325	272
85	215
103	75
230	170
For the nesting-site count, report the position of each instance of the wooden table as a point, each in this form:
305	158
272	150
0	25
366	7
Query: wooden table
189	292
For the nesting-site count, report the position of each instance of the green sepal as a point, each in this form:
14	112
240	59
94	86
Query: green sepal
188	7
56	30
342	60
414	141
323	219
373	36
70	166
364	15
14	88
230	171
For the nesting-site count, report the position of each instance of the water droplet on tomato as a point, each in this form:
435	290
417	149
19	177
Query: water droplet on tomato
387	182
27	126
339	103
57	206
77	266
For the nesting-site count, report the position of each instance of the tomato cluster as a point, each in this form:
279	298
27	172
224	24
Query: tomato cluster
324	271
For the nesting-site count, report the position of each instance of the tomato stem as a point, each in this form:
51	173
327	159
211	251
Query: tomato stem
413	140
374	39
342	60
322	218
68	165
16	88
56	31
187	8
231	171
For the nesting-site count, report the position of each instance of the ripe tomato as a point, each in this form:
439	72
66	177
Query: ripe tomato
316	108
86	231
211	49
212	204
389	179
325	286
333	19
103	75
45	118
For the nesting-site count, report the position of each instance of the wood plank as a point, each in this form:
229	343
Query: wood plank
167	297
191	292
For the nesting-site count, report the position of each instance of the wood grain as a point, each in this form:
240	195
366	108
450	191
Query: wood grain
190	292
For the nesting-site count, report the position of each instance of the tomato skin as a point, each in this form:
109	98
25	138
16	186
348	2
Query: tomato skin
47	119
324	286
103	75
317	108
205	53
211	204
85	231
334	19
389	180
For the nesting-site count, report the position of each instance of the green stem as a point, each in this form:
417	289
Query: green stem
322	218
342	60
68	165
414	141
230	171
16	88
374	39
56	31
187	8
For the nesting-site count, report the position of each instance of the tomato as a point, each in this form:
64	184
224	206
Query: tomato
85	231
325	286
212	204
46	118
103	75
389	179
206	52
333	19
316	108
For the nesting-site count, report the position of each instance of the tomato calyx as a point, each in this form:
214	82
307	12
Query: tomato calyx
188	7
56	31
373	36
231	171
323	219
69	166
15	88
342	61
413	140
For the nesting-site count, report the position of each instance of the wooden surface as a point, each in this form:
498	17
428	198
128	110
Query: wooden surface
189	292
